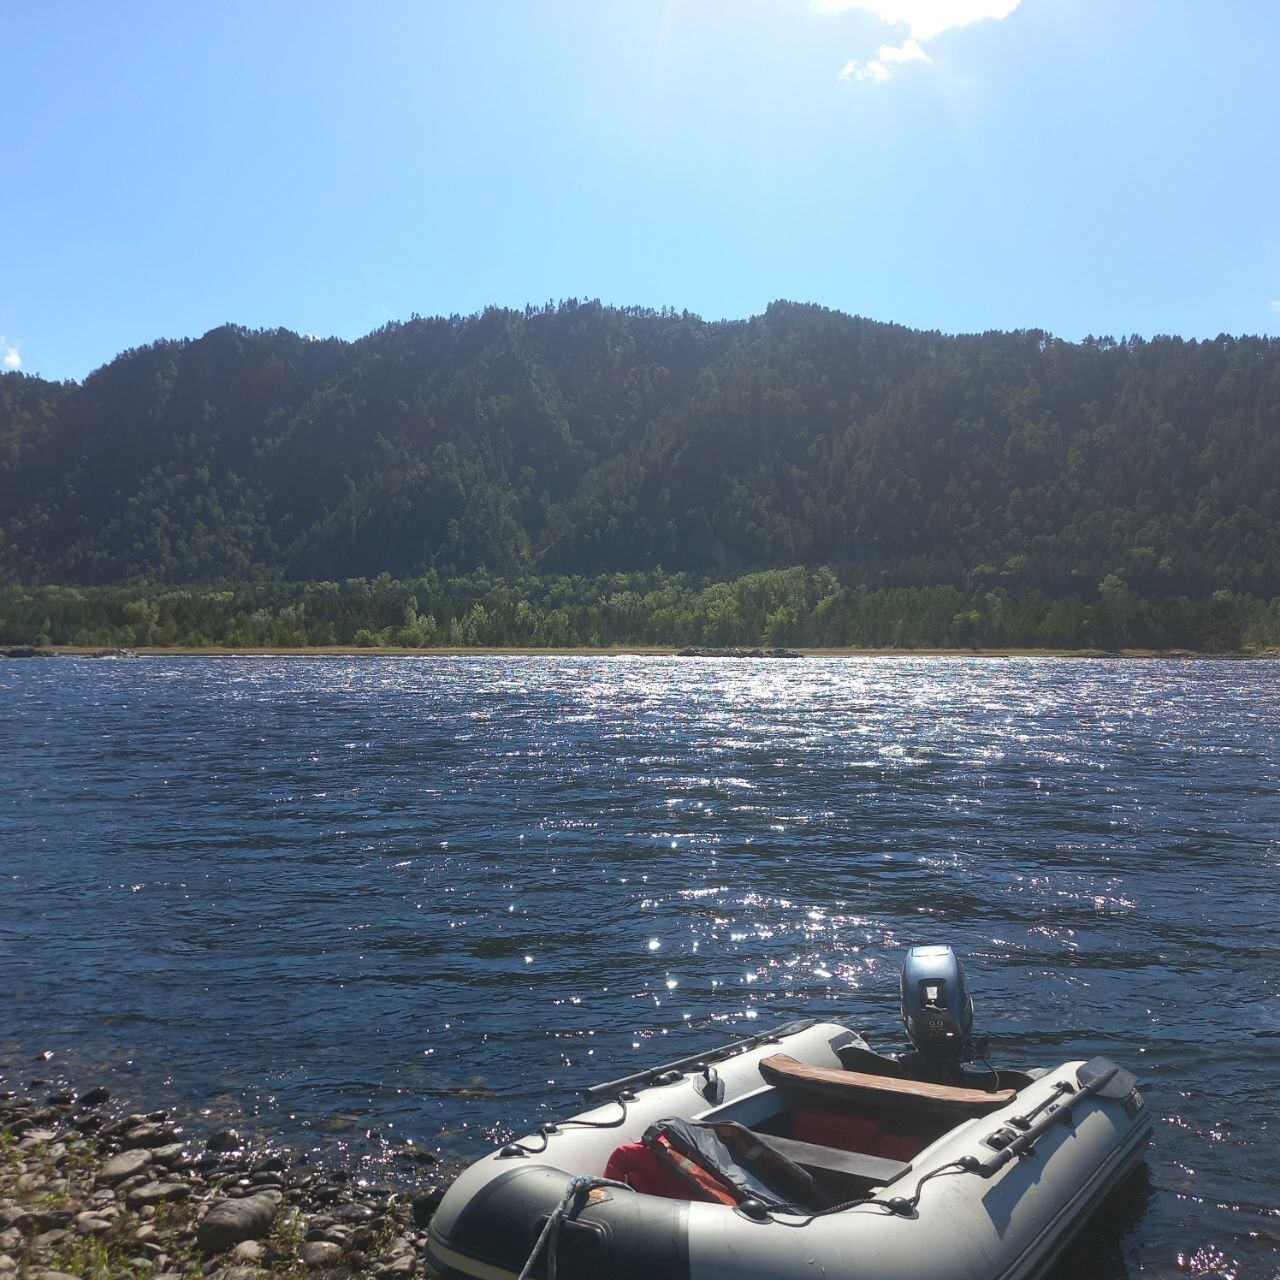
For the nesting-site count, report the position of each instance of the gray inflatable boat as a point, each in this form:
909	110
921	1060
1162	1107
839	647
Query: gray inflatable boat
801	1153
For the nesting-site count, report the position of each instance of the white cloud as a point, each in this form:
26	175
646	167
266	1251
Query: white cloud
9	355
1275	306
878	69
924	20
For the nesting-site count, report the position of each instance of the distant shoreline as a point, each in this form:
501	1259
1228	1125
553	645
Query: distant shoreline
640	651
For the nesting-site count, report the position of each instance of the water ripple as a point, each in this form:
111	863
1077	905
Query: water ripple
357	900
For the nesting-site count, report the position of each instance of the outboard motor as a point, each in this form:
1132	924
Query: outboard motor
937	1007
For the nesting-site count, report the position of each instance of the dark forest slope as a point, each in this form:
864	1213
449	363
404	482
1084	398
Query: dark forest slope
584	439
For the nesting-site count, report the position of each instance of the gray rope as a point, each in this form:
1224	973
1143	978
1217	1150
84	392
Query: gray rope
551	1231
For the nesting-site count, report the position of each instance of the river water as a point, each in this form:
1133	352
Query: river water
353	902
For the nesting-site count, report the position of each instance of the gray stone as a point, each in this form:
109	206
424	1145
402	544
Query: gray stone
125	1165
90	1224
416	1155
158	1193
230	1221
7	1263
224	1140
148	1135
47	1239
425	1203
125	1123
405	1265
320	1253
246	1251
45	1219
353	1213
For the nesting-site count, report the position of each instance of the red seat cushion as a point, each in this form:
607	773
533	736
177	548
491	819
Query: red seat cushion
830	1128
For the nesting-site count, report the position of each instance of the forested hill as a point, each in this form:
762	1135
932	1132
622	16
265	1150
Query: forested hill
584	439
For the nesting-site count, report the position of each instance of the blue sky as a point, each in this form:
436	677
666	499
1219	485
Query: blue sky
1073	165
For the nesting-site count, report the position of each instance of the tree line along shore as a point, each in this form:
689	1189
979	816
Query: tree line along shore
791	608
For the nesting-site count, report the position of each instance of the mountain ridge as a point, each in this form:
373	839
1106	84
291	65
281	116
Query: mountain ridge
579	438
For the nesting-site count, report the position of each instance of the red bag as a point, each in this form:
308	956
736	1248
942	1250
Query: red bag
637	1166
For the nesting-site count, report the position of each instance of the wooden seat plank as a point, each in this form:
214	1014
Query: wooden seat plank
782	1070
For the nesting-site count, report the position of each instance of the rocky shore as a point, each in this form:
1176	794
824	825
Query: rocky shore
91	1190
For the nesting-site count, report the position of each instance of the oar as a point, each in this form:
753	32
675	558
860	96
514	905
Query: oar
1097	1078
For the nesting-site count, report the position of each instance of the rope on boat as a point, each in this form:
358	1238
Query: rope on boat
546	1130
551	1230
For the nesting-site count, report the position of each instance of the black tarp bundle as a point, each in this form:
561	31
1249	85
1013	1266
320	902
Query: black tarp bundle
738	1159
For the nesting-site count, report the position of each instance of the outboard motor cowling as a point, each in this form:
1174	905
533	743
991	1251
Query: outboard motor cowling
936	1006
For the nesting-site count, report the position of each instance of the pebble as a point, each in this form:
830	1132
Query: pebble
353	1213
224	1140
405	1265
230	1221
425	1204
148	1135
320	1253
90	1224
158	1193
123	1166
